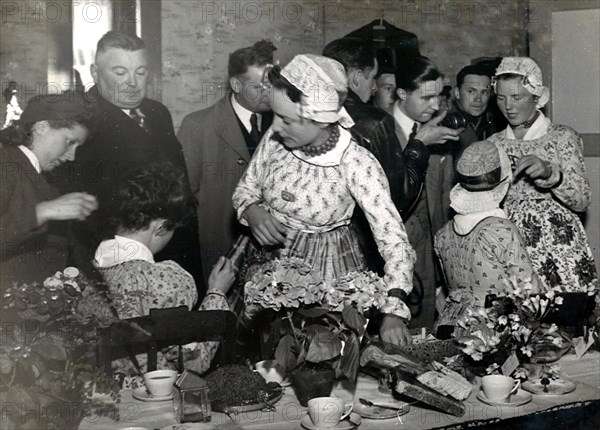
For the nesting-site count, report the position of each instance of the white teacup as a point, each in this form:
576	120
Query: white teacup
326	412
270	371
498	388
159	383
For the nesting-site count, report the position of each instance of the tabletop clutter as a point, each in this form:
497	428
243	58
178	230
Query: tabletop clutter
407	377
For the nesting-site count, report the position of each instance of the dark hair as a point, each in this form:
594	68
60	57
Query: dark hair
413	71
282	83
472	69
19	132
150	193
353	53
115	39
259	54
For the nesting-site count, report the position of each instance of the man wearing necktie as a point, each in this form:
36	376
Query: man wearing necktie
218	143
419	86
131	132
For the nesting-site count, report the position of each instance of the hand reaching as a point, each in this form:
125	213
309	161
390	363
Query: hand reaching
431	133
533	166
393	330
265	228
222	276
66	207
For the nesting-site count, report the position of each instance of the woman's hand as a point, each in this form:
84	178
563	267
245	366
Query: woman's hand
394	330
69	206
533	166
265	228
222	276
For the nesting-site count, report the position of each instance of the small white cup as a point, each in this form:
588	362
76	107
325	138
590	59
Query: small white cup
327	412
159	383
498	388
270	371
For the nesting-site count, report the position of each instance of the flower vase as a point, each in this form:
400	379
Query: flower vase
573	313
310	383
473	369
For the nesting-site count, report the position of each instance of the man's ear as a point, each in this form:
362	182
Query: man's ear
41	127
456	93
94	72
235	85
354	79
401	94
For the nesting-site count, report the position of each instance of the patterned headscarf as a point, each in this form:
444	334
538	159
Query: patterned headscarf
532	76
318	79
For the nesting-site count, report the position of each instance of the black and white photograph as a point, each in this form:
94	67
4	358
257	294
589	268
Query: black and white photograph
299	214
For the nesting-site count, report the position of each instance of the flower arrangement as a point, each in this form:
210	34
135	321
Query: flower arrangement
322	321
47	357
513	324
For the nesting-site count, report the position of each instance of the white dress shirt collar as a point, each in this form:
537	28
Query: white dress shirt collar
244	114
32	158
119	250
406	123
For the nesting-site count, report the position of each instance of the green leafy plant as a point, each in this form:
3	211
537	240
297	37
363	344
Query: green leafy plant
320	322
47	356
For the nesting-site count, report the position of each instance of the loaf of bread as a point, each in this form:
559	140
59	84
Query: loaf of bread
408	385
446	381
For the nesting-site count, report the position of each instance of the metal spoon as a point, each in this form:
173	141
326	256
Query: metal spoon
371	405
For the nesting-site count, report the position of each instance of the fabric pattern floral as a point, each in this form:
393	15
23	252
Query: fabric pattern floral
481	262
314	196
137	286
545	213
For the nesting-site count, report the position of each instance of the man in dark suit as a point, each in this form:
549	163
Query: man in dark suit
218	143
131	131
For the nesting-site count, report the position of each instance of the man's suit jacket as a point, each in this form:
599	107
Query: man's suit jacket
29	252
216	155
116	148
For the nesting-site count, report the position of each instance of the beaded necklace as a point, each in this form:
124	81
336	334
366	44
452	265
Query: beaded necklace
529	122
328	145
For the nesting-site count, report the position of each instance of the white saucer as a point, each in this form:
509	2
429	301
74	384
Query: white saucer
556	387
142	394
349	423
377	413
519	398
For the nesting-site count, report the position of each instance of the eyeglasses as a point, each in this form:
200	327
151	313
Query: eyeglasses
264	83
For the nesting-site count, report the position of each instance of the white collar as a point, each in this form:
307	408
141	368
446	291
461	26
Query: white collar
537	129
32	158
463	224
330	158
244	114
406	123
120	249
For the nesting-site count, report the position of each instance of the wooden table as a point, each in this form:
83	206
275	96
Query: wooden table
584	372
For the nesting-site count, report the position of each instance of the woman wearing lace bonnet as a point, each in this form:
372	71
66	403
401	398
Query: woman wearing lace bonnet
549	185
300	189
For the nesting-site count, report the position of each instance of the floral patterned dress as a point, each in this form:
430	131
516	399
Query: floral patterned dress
138	284
314	197
545	210
489	259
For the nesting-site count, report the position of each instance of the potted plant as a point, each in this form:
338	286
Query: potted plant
511	325
319	323
47	358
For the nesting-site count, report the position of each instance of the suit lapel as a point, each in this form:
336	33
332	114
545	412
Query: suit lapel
228	129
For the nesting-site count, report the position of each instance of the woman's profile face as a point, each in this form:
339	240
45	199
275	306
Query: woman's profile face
514	101
293	130
54	147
